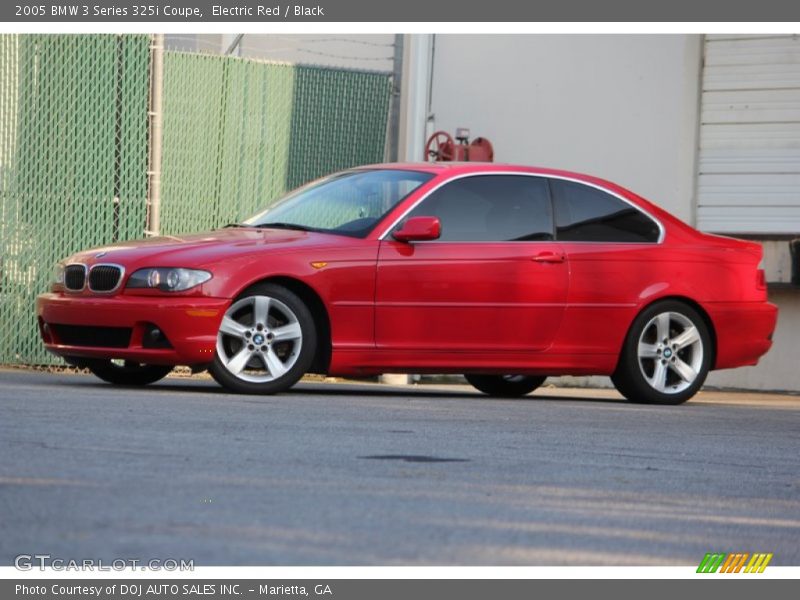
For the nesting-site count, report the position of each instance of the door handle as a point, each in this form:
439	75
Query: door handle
549	257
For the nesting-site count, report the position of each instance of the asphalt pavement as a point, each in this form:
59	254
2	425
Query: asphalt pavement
361	474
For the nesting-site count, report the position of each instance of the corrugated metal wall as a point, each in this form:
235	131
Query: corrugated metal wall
749	166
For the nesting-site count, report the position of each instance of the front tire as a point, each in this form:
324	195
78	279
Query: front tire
127	373
666	356
505	386
266	341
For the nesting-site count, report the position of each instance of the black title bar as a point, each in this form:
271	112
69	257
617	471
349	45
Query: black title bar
743	11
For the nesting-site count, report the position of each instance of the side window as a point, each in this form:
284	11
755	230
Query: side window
586	214
491	208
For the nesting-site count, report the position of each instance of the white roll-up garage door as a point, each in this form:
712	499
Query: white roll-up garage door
749	161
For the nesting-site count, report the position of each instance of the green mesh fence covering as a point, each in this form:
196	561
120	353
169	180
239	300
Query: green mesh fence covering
74	149
239	133
73	163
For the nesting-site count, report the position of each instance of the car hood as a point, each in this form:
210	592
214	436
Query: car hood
205	249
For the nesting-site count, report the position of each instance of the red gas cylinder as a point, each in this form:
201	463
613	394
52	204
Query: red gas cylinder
441	147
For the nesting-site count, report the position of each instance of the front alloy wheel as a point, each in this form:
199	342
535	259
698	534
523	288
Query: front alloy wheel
265	342
666	357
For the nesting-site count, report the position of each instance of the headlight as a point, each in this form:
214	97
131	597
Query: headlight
168	279
58	274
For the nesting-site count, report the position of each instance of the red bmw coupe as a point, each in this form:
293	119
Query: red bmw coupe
506	274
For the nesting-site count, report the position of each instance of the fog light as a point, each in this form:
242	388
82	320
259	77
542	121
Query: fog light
154	338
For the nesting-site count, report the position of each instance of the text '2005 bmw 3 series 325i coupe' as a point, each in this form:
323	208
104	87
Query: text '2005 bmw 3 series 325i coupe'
506	274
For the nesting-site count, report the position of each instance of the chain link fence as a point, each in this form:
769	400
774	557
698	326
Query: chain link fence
73	163
237	134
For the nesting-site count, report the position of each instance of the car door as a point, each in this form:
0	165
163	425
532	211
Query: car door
495	280
613	251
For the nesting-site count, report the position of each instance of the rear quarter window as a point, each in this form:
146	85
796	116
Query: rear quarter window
587	214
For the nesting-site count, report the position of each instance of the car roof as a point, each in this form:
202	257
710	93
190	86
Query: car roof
480	167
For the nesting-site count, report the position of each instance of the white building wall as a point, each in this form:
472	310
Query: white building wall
620	107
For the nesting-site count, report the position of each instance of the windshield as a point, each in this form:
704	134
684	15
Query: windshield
349	203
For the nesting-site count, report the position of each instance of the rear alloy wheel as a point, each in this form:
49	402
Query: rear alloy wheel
266	342
505	386
125	372
666	356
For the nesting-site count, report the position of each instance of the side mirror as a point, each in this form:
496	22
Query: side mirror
418	229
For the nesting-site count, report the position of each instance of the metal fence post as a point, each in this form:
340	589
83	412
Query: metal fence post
155	139
393	134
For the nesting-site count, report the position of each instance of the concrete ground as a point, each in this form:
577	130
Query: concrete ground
363	474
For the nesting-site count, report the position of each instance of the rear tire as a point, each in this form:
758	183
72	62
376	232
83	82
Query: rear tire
505	386
666	355
129	373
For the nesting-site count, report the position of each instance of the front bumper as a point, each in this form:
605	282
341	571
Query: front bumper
189	324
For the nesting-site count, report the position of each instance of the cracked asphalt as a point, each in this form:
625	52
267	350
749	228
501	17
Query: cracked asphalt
360	474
